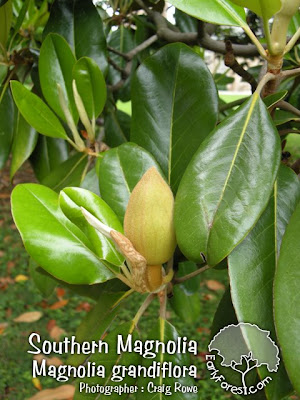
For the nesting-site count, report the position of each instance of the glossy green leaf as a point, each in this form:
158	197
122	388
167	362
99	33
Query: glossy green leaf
95	291
6	126
91	182
3	73
228	184
49	153
263	8
117	128
164	332
91	86
43	281
71	199
80	24
256	258
272	99
20	19
283	117
286	299
56	244
69	173
111	360
221	12
24	142
186	296
56	64
169	117
88	33
185	22
96	322
36	112
6	15
119	172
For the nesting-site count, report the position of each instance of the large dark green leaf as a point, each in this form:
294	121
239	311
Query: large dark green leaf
287	299
119	172
169	117
224	316
220	12
80	24
164	332
54	242
36	112
228	184
117	128
44	282
6	15
185	22
97	321
49	153
186	296
263	8
56	64
88	33
255	258
69	173
112	359
6	126
91	86
71	199
25	139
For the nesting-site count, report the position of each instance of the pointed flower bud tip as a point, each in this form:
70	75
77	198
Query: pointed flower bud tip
148	221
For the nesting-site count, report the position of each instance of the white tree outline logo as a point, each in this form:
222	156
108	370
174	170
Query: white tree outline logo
231	346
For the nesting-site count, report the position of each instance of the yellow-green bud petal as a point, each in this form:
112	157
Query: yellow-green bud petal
148	222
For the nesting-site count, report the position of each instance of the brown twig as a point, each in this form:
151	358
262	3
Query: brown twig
296	166
232	63
191	275
169	33
284	132
235	103
284	105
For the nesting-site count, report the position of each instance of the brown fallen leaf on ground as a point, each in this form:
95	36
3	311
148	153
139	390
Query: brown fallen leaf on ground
56	333
60	292
3	326
214	285
63	392
21	278
37	384
30	316
59	304
5	281
84	306
49	360
50	324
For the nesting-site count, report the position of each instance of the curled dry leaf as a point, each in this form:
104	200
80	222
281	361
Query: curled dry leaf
59	304
64	392
28	317
214	285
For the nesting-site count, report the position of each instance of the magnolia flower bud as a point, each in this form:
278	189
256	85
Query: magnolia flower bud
148	222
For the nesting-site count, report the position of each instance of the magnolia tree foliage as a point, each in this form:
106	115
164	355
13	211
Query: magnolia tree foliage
146	201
